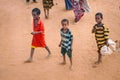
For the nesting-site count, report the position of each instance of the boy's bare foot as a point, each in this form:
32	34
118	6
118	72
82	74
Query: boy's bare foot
71	67
46	17
98	62
94	66
63	63
28	61
48	55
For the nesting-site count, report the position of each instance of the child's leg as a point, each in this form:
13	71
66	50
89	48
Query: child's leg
117	44
69	53
63	52
64	60
32	52
31	55
48	50
71	61
47	13
99	57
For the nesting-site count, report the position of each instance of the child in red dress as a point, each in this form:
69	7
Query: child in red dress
38	34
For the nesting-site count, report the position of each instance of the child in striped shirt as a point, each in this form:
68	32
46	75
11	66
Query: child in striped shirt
101	34
66	41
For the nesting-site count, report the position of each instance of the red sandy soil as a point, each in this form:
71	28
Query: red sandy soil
15	40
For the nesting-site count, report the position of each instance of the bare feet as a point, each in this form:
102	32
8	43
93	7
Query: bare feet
48	55
46	17
28	61
63	63
71	67
94	66
98	62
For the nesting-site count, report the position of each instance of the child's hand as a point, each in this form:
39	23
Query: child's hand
59	45
37	32
32	33
107	44
71	49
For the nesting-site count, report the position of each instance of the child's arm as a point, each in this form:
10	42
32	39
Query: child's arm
71	40
61	39
71	43
93	30
60	43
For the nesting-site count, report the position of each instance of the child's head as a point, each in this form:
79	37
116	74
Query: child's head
35	13
98	17
65	23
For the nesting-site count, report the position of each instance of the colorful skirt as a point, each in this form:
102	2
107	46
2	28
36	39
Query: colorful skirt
78	10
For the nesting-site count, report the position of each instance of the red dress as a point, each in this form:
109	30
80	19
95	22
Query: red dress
38	39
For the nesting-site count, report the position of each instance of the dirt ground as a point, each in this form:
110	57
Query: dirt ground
15	41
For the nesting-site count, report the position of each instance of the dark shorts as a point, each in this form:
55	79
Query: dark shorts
47	4
64	51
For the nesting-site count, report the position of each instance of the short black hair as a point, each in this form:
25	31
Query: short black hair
37	10
100	14
65	20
